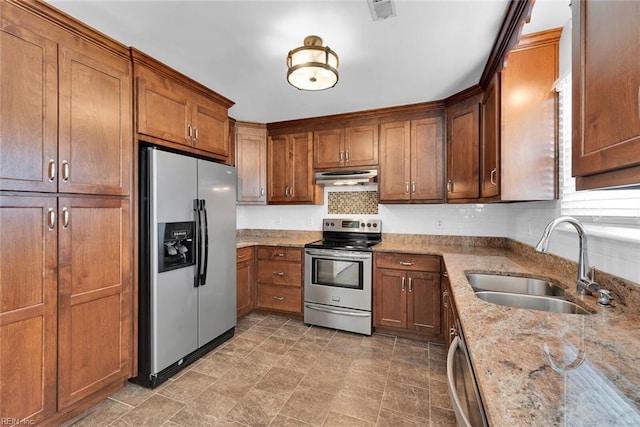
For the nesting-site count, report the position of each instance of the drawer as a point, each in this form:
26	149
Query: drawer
282	298
244	254
281	253
407	261
280	273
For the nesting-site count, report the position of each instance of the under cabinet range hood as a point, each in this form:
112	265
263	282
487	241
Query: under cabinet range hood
347	177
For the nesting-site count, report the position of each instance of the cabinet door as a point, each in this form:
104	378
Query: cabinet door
463	151
278	168
95	132
390	298
251	162
606	93
395	162
211	127
163	108
300	164
28	300
245	286
29	110
361	146
94	324
328	148
423	303
426	160
490	144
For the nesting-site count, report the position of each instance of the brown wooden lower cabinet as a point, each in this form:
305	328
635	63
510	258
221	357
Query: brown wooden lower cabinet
65	302
245	297
406	295
279	279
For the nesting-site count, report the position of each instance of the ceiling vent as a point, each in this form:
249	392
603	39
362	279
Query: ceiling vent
382	9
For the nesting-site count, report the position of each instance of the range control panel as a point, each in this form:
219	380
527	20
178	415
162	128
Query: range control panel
352	224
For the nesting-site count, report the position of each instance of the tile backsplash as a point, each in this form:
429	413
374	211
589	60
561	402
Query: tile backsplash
352	202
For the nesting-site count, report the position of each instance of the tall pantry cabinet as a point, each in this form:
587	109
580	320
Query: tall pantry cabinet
65	215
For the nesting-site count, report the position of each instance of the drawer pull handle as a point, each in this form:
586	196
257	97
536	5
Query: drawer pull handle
278	298
280	254
279	273
241	256
407	263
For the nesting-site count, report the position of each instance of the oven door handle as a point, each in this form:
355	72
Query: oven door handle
345	313
339	255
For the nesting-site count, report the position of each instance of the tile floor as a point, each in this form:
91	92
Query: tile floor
279	372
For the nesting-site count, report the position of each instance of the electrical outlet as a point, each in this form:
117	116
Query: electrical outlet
310	222
439	223
278	220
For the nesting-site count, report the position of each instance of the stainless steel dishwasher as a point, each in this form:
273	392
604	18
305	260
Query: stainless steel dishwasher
463	389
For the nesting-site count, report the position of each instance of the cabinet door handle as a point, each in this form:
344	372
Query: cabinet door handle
346	155
65	171
279	273
406	186
445	294
286	191
291	191
278	298
195	133
450	186
413	187
262	191
403	284
410	284
65	218
492	176
407	263
51	219
341	156
51	170
190	131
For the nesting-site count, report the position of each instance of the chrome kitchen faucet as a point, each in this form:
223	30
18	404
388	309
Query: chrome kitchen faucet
585	280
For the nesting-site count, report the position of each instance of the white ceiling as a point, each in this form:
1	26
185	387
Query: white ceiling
429	51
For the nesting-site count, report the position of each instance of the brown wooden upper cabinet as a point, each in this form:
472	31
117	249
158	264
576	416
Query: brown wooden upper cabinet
173	109
606	93
518	156
251	163
463	150
289	169
65	107
346	148
411	162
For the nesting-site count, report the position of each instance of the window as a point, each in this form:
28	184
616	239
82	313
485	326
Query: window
607	207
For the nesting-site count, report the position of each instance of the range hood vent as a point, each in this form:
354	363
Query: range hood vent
347	177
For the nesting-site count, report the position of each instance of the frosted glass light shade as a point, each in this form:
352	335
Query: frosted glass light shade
312	66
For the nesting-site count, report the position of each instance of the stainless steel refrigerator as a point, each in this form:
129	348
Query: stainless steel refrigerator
187	271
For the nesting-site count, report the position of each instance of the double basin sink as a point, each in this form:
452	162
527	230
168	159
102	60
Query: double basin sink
522	292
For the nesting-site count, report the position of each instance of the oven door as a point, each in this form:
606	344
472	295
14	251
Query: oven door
338	278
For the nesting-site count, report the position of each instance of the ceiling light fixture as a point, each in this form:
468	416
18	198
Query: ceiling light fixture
312	66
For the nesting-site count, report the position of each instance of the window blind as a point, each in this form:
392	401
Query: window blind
590	206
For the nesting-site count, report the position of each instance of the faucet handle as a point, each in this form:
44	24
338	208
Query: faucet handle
592	274
604	298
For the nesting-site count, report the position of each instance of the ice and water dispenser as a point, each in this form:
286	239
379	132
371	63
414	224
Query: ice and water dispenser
177	245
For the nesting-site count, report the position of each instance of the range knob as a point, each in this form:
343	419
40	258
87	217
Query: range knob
326	223
375	225
332	223
362	224
368	224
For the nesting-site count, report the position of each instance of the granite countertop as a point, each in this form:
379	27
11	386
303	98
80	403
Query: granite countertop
533	368
295	239
536	368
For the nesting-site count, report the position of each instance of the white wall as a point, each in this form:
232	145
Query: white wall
520	221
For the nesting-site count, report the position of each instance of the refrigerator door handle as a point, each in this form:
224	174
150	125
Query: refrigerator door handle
203	275
198	237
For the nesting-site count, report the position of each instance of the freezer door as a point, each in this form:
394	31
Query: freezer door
174	299
217	294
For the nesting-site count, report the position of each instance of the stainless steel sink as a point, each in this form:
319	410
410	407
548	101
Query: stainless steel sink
513	284
531	302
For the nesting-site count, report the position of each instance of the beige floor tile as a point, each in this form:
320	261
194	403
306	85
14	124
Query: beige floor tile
308	405
357	402
320	332
407	400
262	357
416	355
150	413
412	343
276	345
102	414
291	330
280	381
274	321
257	334
257	408
238	347
205	410
389	418
439	395
442	418
369	379
438	352
327	379
215	364
282	421
438	370
187	387
407	373
298	360
311	343
340	420
132	394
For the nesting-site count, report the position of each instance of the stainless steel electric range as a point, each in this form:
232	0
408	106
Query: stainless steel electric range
338	275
